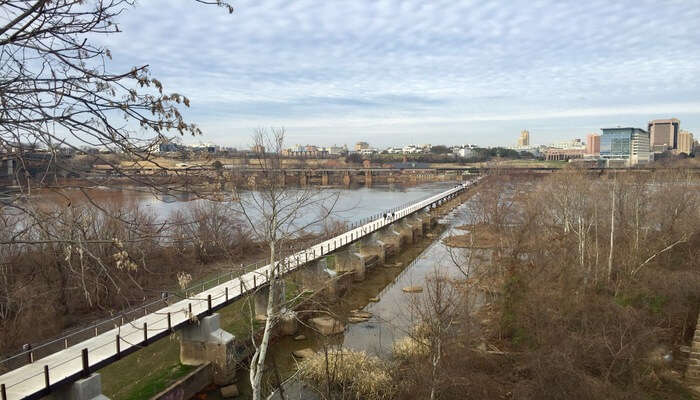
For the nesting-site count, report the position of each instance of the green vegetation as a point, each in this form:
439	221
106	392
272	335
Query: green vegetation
145	372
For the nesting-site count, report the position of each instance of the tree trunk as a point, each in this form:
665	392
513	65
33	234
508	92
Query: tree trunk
612	235
258	362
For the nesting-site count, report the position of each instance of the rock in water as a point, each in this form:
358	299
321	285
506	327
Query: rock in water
413	289
327	325
303	353
229	391
300	337
374	299
361	314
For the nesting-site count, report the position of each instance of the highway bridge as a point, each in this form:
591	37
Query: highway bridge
33	374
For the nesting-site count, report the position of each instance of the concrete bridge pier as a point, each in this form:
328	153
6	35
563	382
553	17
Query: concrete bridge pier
392	239
428	220
262	295
416	223
351	261
311	276
324	179
374	246
207	342
346	179
89	388
405	230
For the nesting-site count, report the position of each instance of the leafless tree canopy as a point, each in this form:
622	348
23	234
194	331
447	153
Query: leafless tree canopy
57	88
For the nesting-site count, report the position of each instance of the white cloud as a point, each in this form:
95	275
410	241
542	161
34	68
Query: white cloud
373	64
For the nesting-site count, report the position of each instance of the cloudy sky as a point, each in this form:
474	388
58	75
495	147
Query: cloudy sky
398	72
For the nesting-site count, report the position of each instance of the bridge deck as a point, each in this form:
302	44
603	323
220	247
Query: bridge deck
37	378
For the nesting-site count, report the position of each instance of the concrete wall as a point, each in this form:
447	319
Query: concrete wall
186	387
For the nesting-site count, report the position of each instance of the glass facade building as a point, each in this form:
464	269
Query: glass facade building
628	144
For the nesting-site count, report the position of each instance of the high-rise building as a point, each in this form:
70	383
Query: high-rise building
361	146
630	145
686	143
593	144
524	139
663	134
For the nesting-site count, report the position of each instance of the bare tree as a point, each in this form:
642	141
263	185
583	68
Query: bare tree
58	93
277	214
438	315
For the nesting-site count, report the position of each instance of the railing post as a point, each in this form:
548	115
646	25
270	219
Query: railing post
119	346
86	364
189	306
30	355
209	304
170	323
145	333
46	376
226	292
3	392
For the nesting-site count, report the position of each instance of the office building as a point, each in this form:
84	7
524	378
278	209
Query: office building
663	134
361	146
686	143
593	144
558	154
628	146
524	139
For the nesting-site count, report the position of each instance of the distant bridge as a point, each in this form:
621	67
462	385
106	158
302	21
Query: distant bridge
73	364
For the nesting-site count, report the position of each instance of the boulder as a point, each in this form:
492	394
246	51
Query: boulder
261	318
303	353
413	289
300	337
360	314
229	391
374	299
327	325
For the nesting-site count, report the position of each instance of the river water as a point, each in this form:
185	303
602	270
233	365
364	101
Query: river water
352	204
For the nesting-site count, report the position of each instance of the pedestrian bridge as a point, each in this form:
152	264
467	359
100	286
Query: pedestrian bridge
52	367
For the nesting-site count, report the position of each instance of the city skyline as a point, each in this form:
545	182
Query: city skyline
398	72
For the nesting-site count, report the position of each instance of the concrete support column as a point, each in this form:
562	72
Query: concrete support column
417	223
428	220
368	178
373	245
311	275
406	232
262	295
351	261
260	298
252	181
346	179
89	388
207	342
324	179
392	239
303	179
